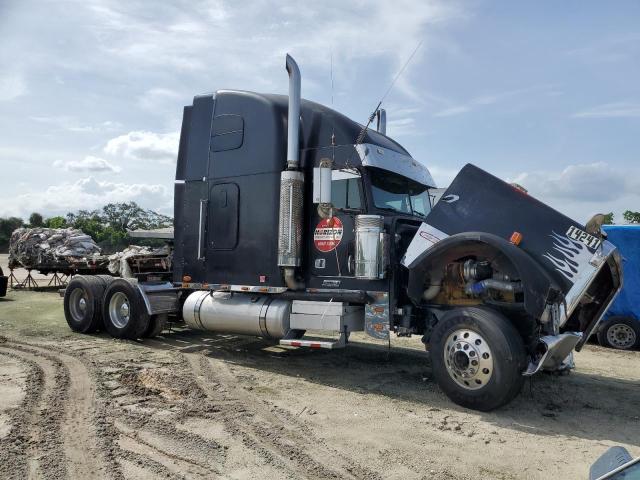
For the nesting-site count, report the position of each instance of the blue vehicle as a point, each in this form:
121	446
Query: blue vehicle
620	326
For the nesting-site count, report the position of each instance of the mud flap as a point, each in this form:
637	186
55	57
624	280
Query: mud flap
376	316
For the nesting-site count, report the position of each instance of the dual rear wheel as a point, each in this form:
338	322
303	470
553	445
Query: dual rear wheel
96	302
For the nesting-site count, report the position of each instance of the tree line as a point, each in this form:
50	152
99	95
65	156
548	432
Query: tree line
628	215
107	226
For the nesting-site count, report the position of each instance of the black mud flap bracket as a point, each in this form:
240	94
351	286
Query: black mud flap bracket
158	297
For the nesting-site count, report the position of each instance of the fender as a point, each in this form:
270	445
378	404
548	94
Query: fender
157	297
538	287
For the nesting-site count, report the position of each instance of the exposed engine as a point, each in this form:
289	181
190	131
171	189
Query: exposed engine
471	282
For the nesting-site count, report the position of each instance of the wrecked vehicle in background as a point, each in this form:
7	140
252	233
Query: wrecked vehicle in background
291	217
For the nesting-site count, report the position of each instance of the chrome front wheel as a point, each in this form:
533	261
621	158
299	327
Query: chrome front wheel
468	359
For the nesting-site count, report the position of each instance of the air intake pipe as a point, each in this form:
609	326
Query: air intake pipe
291	187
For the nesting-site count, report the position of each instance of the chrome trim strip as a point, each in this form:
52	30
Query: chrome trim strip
203	204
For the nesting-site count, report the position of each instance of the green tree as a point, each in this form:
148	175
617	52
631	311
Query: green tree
36	220
55	222
109	225
608	218
130	216
631	217
7	226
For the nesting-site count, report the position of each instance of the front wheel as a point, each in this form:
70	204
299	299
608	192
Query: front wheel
622	333
478	358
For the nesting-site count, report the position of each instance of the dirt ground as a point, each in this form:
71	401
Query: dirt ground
196	405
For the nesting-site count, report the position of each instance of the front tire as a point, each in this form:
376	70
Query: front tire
478	358
621	333
124	311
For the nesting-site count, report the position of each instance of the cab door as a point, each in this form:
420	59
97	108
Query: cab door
333	239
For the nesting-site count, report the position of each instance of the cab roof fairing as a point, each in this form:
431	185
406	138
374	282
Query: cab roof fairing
385	159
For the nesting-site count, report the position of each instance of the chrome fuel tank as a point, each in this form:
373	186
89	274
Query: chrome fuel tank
240	313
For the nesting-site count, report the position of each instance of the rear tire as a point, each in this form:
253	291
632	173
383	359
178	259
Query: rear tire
478	358
124	311
157	323
621	333
83	303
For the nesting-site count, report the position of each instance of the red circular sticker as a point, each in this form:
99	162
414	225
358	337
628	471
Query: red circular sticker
328	234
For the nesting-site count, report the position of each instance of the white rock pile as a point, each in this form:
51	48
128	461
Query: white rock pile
38	247
119	262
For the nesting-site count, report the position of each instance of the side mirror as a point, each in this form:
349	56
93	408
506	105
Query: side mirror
322	182
615	464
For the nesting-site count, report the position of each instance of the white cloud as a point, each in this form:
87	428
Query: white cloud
72	124
580	190
487	99
611	110
208	36
87	193
451	111
11	86
87	164
159	98
141	145
443	176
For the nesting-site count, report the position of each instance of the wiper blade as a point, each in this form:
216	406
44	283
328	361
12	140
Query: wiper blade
390	209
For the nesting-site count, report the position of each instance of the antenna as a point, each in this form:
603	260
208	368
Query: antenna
333	123
363	132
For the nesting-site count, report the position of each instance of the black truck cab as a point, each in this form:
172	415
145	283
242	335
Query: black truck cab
228	186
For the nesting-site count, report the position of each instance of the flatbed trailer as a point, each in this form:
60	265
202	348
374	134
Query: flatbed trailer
290	217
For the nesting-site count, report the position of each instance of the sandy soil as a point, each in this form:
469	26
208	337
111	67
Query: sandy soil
196	405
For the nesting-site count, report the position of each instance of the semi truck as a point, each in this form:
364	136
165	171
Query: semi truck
291	218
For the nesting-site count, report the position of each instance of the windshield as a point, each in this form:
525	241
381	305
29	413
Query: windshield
398	193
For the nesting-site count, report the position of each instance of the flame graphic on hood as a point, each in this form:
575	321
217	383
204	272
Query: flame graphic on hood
567	255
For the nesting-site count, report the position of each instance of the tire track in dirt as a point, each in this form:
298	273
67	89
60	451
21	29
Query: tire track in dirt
69	401
140	443
35	449
269	430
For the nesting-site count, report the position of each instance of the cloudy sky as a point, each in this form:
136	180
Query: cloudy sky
543	93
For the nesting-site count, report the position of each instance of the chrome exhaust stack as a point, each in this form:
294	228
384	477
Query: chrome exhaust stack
293	119
291	187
